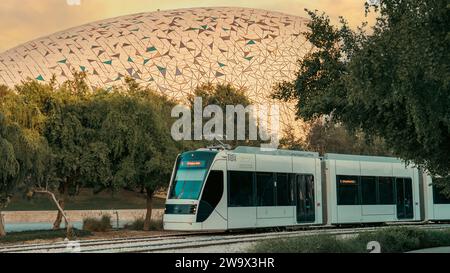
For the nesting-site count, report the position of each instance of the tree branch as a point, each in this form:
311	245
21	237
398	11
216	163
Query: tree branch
60	209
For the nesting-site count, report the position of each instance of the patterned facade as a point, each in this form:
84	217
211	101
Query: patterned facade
170	51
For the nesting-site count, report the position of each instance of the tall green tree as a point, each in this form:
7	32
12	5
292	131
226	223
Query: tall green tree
133	148
9	169
64	131
327	137
22	146
324	136
392	83
223	95
47	151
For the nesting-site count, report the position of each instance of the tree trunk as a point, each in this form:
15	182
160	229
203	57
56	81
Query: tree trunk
59	217
61	202
148	216
2	226
60	211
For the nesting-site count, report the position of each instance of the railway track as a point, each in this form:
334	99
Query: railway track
180	242
93	242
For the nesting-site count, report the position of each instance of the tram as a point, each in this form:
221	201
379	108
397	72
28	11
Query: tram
214	189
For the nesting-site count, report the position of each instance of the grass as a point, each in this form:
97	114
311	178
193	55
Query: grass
86	200
97	225
138	224
23	236
392	240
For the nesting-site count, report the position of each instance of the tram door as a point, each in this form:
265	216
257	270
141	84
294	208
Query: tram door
405	207
305	198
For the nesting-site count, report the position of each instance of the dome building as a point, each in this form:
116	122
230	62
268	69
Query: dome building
170	51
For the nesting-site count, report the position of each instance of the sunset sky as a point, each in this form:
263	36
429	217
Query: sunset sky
25	20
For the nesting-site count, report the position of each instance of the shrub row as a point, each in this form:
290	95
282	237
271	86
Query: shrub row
138	224
104	224
97	225
392	240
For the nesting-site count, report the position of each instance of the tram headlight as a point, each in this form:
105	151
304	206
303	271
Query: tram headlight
193	209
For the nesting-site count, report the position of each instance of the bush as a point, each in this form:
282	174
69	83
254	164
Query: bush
392	240
138	224
306	244
156	225
403	239
97	225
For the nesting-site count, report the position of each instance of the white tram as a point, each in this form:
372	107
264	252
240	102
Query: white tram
436	205
370	189
247	188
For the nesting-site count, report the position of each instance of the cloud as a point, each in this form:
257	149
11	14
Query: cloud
32	19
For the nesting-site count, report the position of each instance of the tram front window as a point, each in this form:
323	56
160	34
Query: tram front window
188	184
191	172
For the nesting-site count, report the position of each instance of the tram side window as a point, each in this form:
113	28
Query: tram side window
439	197
240	189
265	188
284	190
347	187
369	190
213	189
386	190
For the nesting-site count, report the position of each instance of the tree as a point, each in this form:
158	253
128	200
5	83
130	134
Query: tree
327	137
24	151
133	143
61	127
324	136
223	95
9	169
392	83
47	151
99	139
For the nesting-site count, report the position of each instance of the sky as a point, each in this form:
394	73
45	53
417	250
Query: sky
24	20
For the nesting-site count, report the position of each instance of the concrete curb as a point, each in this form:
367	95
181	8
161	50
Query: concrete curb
76	215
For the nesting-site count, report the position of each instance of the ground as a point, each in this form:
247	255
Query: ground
99	235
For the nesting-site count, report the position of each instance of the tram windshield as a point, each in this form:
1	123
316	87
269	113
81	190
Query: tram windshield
191	171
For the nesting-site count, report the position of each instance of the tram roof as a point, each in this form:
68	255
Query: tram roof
258	150
363	158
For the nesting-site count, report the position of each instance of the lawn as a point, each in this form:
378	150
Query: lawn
15	237
86	200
